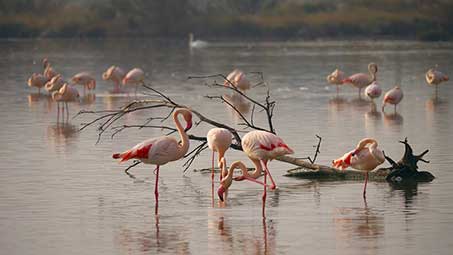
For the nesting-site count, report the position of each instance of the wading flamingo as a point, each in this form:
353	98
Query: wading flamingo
238	80
219	140
54	84
336	78
260	147
65	94
161	150
114	74
49	72
37	80
434	78
85	79
361	80
373	91
135	77
227	179
366	157
196	43
393	96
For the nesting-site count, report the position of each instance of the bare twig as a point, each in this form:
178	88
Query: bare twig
317	151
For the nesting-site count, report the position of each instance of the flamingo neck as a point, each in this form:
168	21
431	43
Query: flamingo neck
184	146
258	169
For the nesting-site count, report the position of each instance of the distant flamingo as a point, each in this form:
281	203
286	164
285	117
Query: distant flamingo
54	84
434	78
49	72
237	79
361	80
64	95
260	147
219	140
373	91
135	77
227	179
336	78
37	80
161	150
196	43
114	74
366	157
393	96
85	79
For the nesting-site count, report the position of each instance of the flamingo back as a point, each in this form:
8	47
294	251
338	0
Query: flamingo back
264	145
219	139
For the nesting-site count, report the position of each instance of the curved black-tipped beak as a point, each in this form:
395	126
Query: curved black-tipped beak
189	126
220	192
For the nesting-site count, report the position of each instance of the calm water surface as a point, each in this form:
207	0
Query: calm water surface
62	194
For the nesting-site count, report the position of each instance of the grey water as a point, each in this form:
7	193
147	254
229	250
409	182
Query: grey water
61	193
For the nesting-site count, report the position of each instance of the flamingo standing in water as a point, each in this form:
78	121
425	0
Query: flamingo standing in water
161	150
135	77
434	78
49	72
227	179
237	79
64	95
361	80
114	74
260	147
85	79
366	157
373	91
54	84
219	140
393	96
336	78
37	80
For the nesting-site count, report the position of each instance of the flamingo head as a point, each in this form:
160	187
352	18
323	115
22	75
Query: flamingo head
345	161
220	192
92	84
45	62
188	118
373	68
125	80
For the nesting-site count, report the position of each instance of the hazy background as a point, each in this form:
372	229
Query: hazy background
270	19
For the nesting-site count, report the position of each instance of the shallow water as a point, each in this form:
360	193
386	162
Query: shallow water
63	194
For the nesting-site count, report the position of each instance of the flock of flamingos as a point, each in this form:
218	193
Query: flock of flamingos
259	146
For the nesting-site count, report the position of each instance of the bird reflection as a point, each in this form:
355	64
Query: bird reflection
61	133
435	103
338	103
241	105
393	119
35	98
88	99
373	113
358	225
359	102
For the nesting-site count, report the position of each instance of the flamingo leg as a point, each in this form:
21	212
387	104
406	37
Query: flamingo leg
156	191
273	186
360	92
264	195
338	89
212	172
67	111
58	111
364	187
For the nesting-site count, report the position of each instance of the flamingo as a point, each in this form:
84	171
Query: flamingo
361	80
373	91
54	84
65	94
260	147
85	79
161	150
196	43
219	140
49	72
366	157
37	80
115	74
434	78
227	179
135	77
393	96
336	78
237	79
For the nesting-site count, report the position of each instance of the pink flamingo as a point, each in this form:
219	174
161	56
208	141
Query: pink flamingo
237	79
373	91
54	84
260	147
161	150
135	77
115	74
219	140
393	96
49	72
336	78
64	95
227	179
434	78
37	80
366	157
361	80
85	79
